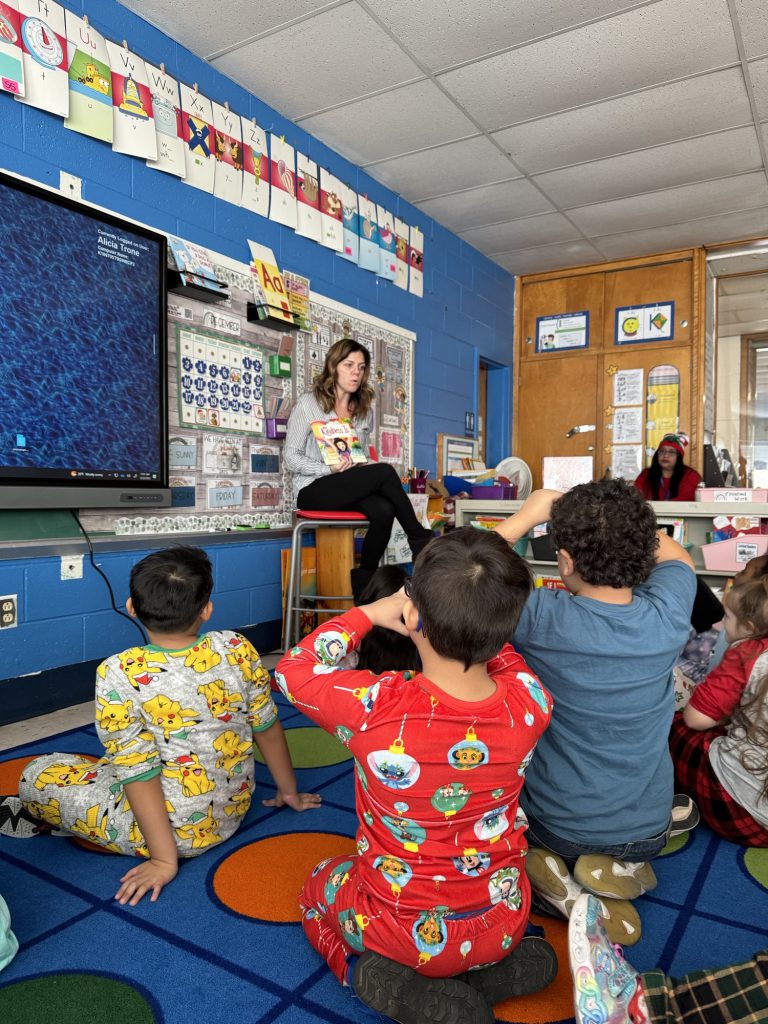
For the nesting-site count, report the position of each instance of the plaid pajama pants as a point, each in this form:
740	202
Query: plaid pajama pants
694	775
731	995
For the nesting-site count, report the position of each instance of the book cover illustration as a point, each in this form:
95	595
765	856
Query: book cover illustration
338	442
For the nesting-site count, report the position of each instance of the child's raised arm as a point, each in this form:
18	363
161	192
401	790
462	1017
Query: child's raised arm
536	509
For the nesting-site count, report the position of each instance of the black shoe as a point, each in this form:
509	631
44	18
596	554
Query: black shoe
15	819
417	544
530	967
360	579
407	997
685	816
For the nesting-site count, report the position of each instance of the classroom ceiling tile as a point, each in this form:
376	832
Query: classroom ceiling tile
705	231
379	64
442	33
434	172
673	205
487	205
758	75
205	28
522	233
698	105
596	61
752	20
677	163
392	124
548	257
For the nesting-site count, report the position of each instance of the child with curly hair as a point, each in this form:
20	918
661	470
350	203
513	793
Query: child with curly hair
719	743
599	794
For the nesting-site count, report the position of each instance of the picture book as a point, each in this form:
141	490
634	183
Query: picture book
338	441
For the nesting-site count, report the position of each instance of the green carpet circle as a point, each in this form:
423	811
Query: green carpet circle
311	747
756	863
675	844
73	999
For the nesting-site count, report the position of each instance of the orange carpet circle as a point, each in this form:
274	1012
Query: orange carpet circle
555	1003
276	868
10	773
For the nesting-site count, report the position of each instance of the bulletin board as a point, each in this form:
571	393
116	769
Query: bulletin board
224	471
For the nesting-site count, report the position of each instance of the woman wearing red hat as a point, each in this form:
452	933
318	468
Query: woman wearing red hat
668	478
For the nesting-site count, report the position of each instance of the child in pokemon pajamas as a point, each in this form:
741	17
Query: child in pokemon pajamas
438	883
178	720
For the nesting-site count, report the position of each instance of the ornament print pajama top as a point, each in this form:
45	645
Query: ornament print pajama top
438	882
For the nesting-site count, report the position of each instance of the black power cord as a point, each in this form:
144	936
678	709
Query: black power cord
134	622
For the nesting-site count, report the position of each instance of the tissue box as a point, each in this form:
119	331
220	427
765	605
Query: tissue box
501	492
732	555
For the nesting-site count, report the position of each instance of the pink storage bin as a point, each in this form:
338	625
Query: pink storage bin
732	494
732	555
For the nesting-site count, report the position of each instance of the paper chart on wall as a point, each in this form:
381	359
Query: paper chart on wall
196	118
350	220
401	253
626	461
44	47
228	151
255	168
11	54
332	234
182	451
220	382
222	453
628	426
308	198
282	176
387	260
628	387
369	235
166	107
133	122
416	262
90	81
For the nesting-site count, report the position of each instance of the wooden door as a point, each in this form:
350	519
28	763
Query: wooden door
558	297
647	359
554	395
643	286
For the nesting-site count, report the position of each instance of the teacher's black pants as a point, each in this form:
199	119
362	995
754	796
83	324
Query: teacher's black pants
375	490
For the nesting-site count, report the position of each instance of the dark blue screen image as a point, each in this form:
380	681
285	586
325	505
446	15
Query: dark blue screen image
80	344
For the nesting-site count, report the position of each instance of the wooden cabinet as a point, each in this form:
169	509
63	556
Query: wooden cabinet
558	391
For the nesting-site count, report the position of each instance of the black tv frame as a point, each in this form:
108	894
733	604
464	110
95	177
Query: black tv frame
20	492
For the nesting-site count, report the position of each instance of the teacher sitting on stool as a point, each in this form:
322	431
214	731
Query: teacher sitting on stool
668	478
340	392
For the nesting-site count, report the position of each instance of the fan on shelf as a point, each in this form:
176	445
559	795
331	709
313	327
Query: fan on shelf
511	465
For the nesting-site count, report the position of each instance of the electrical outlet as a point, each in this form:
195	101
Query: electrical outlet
72	567
70	185
9	611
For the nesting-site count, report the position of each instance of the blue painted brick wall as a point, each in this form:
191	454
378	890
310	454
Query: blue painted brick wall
465	314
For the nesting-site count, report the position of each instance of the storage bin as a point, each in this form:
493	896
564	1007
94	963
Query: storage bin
732	555
454	484
732	494
495	492
277	427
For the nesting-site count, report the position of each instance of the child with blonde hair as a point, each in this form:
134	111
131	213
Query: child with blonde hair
719	743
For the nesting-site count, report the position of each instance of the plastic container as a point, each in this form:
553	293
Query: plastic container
494	492
454	484
732	494
732	555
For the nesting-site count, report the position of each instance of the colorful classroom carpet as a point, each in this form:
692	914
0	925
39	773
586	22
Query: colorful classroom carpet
224	944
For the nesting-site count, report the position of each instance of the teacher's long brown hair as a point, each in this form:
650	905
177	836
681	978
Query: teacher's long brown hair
324	388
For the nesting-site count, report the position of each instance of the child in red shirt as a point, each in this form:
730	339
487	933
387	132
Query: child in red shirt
438	885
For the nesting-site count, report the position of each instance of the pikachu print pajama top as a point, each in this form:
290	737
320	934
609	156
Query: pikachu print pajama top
187	716
439	880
